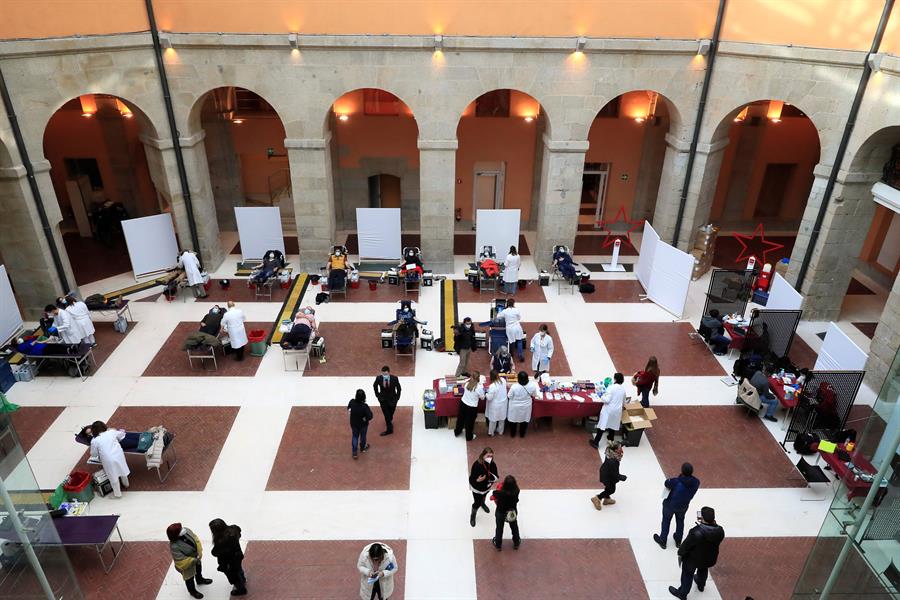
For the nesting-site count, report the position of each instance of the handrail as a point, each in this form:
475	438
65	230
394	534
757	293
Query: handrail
279	182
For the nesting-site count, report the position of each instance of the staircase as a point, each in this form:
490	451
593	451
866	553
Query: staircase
281	195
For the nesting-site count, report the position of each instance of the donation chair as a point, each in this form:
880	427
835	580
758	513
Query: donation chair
749	397
405	340
487	282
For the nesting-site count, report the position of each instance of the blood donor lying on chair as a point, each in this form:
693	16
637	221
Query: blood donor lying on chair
338	266
411	266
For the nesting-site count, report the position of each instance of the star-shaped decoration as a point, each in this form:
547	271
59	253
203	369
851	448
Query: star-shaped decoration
746	251
620	217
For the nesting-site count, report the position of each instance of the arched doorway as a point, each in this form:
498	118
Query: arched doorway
100	176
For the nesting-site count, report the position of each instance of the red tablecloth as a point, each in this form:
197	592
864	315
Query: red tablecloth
737	340
776	384
447	405
856	487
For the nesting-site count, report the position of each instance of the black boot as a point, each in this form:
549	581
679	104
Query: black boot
472	517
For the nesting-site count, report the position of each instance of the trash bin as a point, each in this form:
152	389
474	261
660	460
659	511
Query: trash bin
432	421
257	339
77	486
373	284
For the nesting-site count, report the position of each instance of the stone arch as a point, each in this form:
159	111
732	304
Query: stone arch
148	126
871	155
327	117
193	120
723	121
543	113
676	121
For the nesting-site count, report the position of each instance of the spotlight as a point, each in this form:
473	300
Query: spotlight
87	115
293	41
343	117
237	121
704	47
438	43
580	43
640	119
874	61
529	118
165	41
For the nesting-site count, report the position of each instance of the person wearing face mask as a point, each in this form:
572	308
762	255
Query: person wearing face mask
541	351
473	392
307	316
502	361
338	266
387	390
515	335
496	404
66	328
464	344
212	321
481	479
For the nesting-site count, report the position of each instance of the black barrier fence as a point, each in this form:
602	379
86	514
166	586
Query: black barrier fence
770	332
729	291
824	403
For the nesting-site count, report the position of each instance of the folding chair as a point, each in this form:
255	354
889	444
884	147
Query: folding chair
812	474
202	353
749	397
342	289
264	289
298	356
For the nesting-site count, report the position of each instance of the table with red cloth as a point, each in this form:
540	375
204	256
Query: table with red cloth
776	384
447	405
737	339
856	487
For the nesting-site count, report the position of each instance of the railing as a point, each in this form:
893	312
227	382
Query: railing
279	185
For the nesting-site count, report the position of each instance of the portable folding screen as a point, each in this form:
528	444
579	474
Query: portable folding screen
151	244
670	277
839	352
10	317
783	296
379	233
824	403
498	228
729	291
259	228
770	331
645	260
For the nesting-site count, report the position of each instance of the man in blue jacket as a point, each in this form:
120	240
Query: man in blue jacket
681	492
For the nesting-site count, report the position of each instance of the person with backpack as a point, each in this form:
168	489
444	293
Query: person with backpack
507	498
698	552
360	416
681	492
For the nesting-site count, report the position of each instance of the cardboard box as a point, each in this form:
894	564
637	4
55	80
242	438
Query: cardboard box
781	268
635	416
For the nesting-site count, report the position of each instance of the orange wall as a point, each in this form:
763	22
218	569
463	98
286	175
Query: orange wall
62	18
794	140
251	139
619	142
370	136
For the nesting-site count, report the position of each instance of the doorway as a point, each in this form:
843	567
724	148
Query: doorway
593	193
384	191
774	189
487	187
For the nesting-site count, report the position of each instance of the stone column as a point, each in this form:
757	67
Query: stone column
653	153
700	193
886	341
164	173
23	243
841	236
437	189
224	171
313	193
562	169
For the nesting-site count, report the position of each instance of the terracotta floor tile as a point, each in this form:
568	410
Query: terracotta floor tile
761	567
866	328
615	290
108	339
152	298
172	361
593	245
137	575
291	246
574	569
631	344
32	422
200	434
728	448
559	366
239	291
466	292
535	460
354	349
315	452
312	570
801	354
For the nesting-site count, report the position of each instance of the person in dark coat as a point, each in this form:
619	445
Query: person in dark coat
227	550
360	415
681	492
212	321
387	390
609	475
698	552
481	479
507	498
464	344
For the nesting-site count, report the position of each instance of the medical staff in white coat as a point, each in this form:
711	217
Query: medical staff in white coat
106	447
191	265
541	351
233	325
521	395
511	271
611	414
66	327
515	336
496	404
82	317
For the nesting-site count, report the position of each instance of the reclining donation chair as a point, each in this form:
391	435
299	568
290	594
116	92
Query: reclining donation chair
488	270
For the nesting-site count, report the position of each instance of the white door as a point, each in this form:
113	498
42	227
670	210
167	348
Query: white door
487	187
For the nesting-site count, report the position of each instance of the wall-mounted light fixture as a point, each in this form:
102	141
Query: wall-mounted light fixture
874	61
88	105
774	111
580	43
640	119
343	118
703	48
438	43
529	118
237	121
165	42
739	118
123	110
293	40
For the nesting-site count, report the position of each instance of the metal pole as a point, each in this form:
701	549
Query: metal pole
173	129
32	183
698	123
26	543
857	524
845	141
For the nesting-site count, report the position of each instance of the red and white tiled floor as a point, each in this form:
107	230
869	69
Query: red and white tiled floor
269	449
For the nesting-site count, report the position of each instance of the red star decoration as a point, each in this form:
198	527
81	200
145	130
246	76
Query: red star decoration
743	240
620	217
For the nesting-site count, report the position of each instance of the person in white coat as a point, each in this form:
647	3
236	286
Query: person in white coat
233	325
106	447
82	316
511	271
377	566
66	327
496	404
191	265
541	351
611	414
521	394
515	335
473	392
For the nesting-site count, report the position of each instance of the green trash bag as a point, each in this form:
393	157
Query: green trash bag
57	497
6	406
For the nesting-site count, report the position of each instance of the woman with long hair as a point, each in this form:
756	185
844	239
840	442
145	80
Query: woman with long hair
609	475
473	392
377	566
481	479
647	380
511	271
507	498
521	395
360	416
227	550
496	405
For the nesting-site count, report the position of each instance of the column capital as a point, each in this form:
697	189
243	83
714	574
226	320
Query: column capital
41	166
15	172
566	146
438	144
308	143
677	144
166	143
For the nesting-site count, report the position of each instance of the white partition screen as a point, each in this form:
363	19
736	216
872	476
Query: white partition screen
379	233
783	296
839	353
259	228
670	277
151	243
645	260
10	317
498	228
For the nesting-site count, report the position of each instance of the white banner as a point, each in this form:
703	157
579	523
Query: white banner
10	317
645	259
379	233
259	228
151	243
670	277
498	228
783	296
839	353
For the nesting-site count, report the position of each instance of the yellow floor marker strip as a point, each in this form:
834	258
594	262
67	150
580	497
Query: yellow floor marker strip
449	313
139	287
289	308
